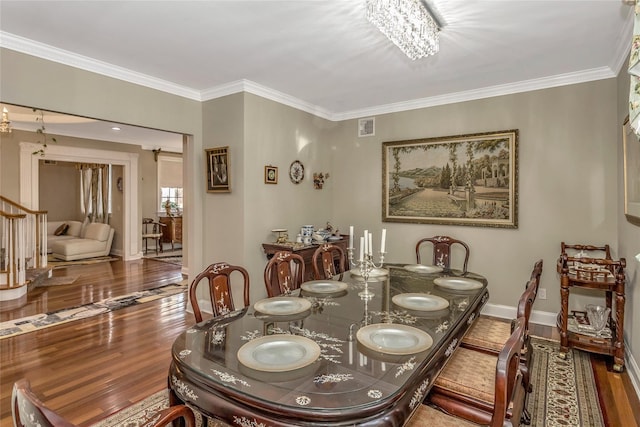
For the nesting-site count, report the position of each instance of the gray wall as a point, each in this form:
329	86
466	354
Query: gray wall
569	171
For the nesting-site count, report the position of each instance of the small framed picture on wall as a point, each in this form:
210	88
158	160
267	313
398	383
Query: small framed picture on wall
218	172
270	175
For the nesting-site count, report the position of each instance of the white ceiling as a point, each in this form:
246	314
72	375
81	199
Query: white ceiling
323	56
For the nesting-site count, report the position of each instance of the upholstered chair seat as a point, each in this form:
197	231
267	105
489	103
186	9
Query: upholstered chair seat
488	334
427	416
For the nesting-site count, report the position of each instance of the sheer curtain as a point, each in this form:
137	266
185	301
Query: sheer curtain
95	190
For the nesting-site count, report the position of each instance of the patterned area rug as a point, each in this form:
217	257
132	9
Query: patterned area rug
57	263
32	323
177	260
564	393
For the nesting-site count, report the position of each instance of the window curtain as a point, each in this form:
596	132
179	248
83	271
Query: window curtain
634	71
94	189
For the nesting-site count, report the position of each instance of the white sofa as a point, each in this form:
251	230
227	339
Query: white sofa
73	231
93	241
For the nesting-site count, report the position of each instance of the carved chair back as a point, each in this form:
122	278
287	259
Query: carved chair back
442	250
324	262
284	273
218	278
29	411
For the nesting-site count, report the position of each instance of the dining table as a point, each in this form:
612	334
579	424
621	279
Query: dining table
332	353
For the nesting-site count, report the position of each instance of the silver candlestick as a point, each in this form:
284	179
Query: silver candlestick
365	266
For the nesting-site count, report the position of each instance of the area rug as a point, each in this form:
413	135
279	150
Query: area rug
57	263
177	260
44	320
564	393
58	281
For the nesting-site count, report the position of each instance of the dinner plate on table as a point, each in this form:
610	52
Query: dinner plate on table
376	272
394	339
458	283
424	269
420	302
324	287
282	306
278	353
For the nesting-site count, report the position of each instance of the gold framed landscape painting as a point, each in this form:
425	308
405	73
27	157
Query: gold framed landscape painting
218	171
631	158
469	180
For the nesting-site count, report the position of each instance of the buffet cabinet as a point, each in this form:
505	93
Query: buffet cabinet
172	232
600	274
305	251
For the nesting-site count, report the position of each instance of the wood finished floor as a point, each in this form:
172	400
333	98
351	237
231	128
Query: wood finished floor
91	368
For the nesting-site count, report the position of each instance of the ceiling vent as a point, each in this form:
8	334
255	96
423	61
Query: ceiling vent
367	127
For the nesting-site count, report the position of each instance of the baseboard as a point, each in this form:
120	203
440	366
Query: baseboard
508	312
549	319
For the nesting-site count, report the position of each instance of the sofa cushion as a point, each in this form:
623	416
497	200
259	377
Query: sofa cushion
61	229
75	227
97	231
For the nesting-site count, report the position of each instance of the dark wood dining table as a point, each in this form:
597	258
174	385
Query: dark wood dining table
350	383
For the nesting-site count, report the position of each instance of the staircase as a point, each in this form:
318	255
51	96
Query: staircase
23	248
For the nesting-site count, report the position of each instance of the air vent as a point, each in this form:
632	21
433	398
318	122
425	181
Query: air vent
50	162
367	127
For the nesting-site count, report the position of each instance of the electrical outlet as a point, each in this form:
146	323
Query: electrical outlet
542	293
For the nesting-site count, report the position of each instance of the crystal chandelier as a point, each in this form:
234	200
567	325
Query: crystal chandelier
5	125
409	24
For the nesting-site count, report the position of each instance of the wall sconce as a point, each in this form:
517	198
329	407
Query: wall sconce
318	180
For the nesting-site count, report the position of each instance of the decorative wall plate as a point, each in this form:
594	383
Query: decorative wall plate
296	171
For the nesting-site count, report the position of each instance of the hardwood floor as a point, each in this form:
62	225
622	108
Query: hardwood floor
90	368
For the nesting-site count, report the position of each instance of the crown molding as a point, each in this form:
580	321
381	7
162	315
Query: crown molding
488	92
265	92
50	53
44	51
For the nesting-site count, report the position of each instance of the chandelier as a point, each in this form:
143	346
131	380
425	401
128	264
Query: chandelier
409	24
5	125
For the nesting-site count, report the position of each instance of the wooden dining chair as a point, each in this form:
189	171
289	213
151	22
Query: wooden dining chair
490	335
324	261
29	411
479	388
218	278
152	230
442	246
284	273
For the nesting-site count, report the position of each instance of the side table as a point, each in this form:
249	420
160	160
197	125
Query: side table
600	274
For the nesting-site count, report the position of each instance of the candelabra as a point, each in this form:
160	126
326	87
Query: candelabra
365	265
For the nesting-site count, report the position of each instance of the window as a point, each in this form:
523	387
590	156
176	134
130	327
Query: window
173	195
170	182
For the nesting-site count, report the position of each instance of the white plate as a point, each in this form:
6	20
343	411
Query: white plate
458	283
282	306
420	302
420	268
324	286
278	353
376	272
394	339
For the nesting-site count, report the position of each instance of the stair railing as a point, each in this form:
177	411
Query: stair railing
23	241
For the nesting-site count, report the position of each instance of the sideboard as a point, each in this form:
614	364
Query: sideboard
172	233
305	251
